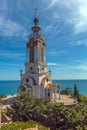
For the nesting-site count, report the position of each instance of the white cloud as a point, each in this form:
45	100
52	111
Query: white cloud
11	54
74	66
78	16
70	12
82	67
52	3
11	28
56	52
80	19
10	64
53	64
3	5
69	71
8	26
79	43
49	28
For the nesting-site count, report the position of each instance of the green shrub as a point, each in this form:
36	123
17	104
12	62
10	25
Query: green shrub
53	115
23	125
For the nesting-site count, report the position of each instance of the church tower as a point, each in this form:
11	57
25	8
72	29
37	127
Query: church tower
36	80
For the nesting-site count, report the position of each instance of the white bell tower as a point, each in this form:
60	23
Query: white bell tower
36	79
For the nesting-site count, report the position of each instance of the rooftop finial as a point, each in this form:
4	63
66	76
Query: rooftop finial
35	18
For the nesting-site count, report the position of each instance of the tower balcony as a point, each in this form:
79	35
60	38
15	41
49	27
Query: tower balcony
38	36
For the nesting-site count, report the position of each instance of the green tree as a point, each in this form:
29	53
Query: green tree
54	115
22	108
75	91
82	99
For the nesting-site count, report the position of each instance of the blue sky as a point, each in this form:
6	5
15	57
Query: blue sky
64	27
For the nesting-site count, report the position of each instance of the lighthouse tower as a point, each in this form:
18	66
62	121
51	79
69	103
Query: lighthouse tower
36	80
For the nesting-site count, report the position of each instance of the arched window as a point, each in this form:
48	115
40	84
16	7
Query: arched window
31	54
42	54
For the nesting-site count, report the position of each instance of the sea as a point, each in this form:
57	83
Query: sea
11	87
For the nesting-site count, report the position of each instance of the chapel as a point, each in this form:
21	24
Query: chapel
36	80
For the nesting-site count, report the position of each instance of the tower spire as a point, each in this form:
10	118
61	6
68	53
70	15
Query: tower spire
35	12
35	17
